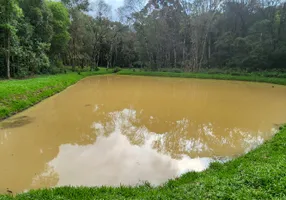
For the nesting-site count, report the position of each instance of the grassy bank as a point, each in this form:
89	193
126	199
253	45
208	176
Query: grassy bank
250	77
17	95
260	174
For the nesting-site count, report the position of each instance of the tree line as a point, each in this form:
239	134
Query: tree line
44	36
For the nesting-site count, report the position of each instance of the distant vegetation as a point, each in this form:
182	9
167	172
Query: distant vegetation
42	37
266	77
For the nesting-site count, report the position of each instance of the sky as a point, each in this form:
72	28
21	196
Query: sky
114	4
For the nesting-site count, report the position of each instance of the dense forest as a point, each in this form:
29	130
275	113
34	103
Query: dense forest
48	37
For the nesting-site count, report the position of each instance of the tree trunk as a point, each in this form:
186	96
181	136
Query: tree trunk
148	52
175	58
203	50
8	55
115	57
109	59
98	56
184	50
209	50
73	57
94	56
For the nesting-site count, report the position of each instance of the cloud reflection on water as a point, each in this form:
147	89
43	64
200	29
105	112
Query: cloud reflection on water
128	153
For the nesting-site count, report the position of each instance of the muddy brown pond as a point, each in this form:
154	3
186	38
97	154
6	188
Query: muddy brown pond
112	130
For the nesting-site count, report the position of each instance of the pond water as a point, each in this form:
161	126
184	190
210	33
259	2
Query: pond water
112	130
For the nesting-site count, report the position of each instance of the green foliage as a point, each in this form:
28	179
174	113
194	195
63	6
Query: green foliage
175	70
255	77
77	4
177	36
38	35
257	48
116	69
10	14
61	23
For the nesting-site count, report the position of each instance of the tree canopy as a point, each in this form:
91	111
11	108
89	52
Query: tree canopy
38	37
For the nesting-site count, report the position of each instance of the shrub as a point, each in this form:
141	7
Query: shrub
175	70
116	69
55	70
138	64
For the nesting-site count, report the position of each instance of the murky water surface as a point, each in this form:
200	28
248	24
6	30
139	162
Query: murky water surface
113	130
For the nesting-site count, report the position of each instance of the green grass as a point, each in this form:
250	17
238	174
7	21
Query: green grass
255	77
17	95
260	174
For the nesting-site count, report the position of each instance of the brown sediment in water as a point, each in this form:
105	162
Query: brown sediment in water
15	122
120	129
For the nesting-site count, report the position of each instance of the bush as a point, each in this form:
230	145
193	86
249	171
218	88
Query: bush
43	64
55	70
214	71
164	70
59	64
138	64
91	68
116	69
231	71
82	69
236	74
174	70
275	73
